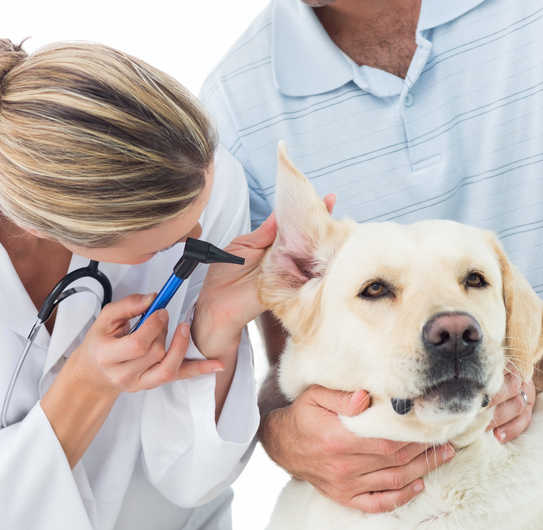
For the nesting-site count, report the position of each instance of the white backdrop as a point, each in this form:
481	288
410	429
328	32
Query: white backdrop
185	39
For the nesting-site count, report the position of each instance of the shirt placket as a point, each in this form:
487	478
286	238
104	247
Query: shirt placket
421	154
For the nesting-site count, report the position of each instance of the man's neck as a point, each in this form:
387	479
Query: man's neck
377	34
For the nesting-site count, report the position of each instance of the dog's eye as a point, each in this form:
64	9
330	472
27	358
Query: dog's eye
475	279
375	290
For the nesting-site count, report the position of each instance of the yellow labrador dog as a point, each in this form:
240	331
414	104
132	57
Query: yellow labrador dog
424	317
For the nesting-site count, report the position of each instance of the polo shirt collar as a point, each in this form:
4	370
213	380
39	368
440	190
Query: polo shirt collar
305	61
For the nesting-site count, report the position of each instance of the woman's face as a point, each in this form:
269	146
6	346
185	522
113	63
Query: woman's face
141	246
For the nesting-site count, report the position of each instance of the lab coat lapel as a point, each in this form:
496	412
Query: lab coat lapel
77	313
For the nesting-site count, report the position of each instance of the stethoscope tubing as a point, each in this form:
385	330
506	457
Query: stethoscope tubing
7	397
57	295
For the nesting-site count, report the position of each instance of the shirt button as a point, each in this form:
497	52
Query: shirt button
408	101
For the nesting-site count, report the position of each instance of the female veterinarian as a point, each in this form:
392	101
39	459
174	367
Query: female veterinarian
103	157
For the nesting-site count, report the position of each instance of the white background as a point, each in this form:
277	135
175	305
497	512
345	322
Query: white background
185	39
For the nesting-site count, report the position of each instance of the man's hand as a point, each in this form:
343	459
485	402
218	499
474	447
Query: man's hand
512	414
373	475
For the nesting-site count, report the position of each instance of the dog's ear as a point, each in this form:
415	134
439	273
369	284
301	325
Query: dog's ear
307	239
524	310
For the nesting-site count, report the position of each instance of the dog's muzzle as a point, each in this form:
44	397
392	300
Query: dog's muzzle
454	376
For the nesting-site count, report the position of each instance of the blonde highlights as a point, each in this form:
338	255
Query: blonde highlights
95	143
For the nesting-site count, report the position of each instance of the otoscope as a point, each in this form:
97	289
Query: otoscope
196	251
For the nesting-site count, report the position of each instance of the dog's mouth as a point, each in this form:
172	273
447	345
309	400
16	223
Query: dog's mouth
454	395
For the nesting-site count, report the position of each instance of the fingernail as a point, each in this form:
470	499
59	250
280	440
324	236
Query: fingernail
418	487
501	435
185	330
149	298
218	369
358	397
448	452
163	315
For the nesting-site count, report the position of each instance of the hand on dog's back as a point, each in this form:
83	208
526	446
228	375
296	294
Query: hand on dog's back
372	475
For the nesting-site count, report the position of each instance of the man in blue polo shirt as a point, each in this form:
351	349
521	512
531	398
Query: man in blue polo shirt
406	110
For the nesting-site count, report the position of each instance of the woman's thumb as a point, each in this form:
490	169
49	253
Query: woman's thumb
129	307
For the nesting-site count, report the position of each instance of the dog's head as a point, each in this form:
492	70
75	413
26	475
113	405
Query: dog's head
423	316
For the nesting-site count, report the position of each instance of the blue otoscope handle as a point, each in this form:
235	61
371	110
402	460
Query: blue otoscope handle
162	298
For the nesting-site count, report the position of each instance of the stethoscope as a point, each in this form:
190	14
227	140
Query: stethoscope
60	292
196	251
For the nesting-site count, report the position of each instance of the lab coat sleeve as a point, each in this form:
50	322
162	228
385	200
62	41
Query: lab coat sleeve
188	456
38	490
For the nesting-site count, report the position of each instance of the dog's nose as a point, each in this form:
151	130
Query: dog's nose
452	333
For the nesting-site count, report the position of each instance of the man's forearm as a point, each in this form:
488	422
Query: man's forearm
270	396
538	376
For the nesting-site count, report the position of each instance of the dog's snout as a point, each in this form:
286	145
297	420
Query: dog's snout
452	333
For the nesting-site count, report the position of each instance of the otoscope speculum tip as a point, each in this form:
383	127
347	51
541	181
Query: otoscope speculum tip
205	252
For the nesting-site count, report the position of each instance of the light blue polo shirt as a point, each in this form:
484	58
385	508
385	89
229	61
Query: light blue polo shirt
460	138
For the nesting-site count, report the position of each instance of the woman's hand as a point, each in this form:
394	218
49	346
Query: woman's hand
111	359
228	300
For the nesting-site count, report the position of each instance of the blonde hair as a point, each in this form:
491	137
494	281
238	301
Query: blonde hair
95	143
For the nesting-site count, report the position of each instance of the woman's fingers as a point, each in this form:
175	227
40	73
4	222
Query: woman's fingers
187	369
137	344
190	369
171	367
166	369
119	312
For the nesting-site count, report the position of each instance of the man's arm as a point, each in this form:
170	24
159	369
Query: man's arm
538	376
270	396
275	336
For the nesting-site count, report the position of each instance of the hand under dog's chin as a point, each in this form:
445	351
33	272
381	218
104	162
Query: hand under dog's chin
425	424
431	418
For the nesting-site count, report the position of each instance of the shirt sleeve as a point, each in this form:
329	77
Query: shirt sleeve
195	458
217	106
39	489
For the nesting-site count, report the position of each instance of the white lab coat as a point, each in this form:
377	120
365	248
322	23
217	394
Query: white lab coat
159	453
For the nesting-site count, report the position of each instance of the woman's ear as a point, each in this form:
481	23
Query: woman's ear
307	239
524	310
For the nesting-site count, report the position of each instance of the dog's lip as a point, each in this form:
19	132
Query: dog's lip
436	388
453	382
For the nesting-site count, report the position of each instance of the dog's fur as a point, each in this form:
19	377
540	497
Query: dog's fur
312	278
